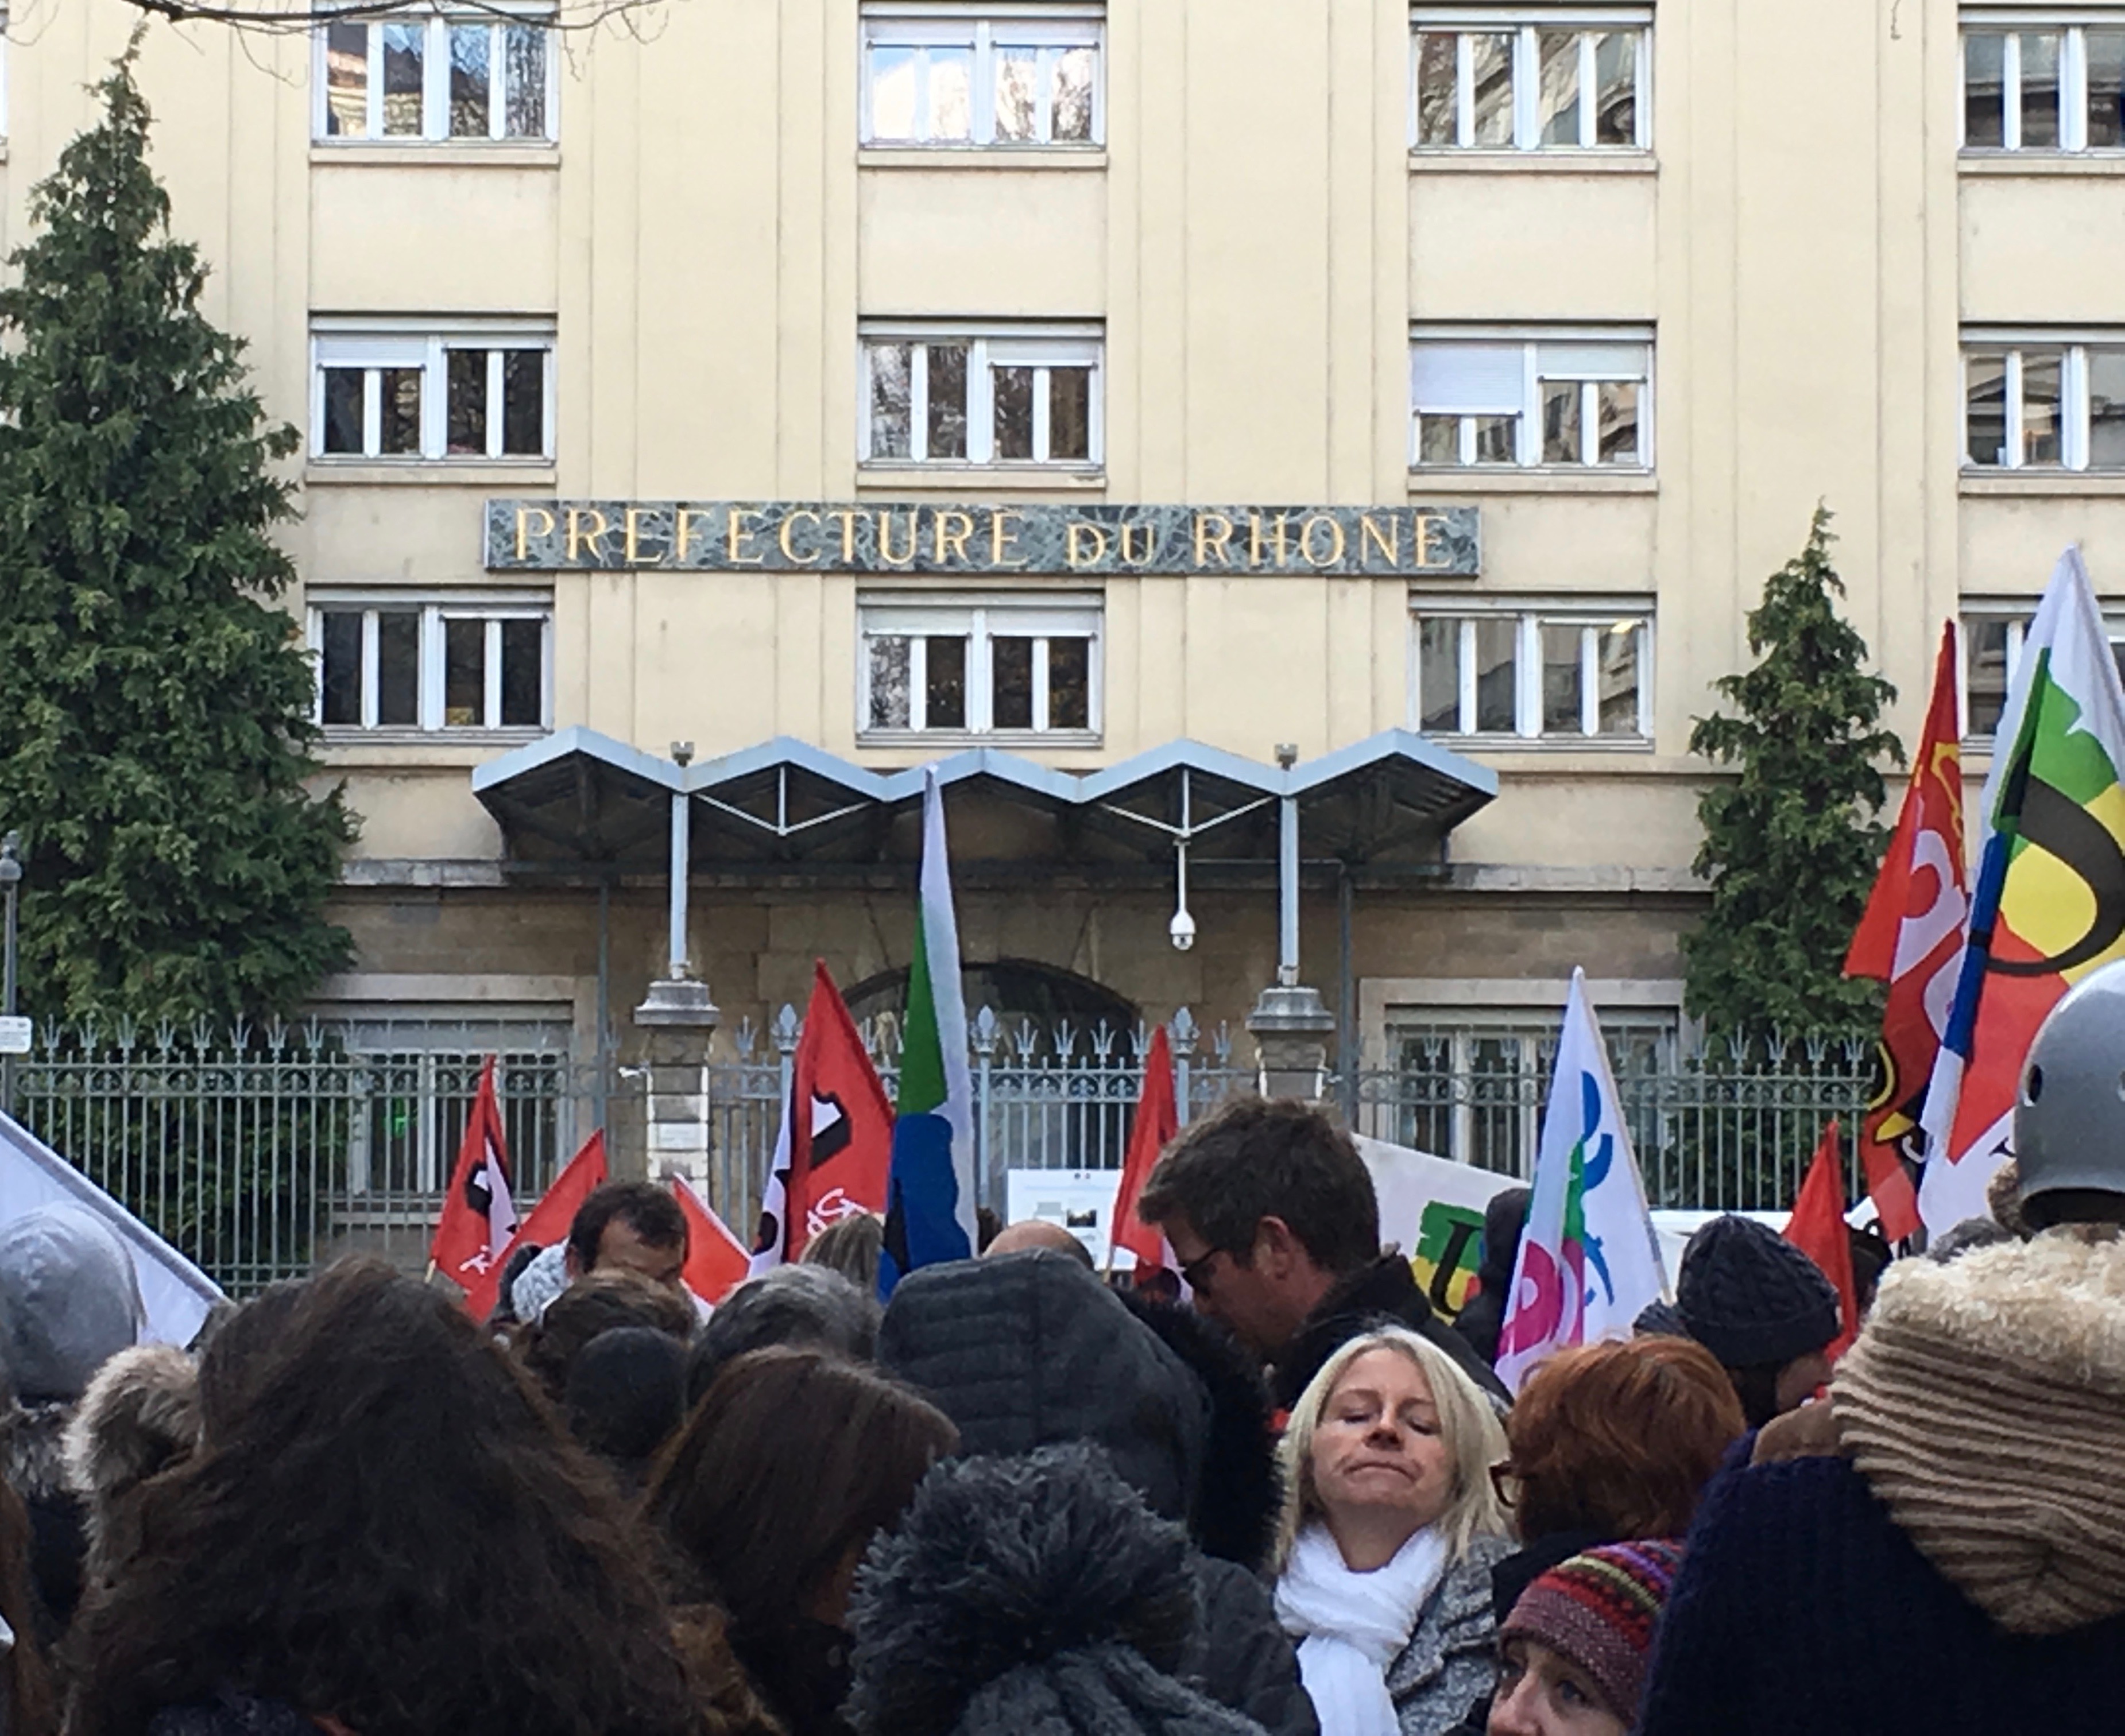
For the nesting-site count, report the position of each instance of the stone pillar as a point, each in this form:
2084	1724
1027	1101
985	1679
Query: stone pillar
1291	1025
678	1019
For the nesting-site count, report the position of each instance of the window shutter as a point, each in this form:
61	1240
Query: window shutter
1466	379
1591	361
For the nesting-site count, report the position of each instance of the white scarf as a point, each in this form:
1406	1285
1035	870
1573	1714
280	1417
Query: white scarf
1351	1626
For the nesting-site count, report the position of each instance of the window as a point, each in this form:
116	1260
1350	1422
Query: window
2031	83
1029	78
420	75
1992	643
1570	81
958	666
994	395
1562	398
407	664
2043	402
1575	672
464	395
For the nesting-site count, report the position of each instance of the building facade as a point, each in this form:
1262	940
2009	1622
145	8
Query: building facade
1114	402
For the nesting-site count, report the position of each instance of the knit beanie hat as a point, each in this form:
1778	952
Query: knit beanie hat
1597	1608
1751	1297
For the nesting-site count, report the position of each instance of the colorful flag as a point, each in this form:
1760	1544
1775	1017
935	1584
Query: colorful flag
1817	1228
716	1260
929	1199
1157	1121
1911	939
479	1217
548	1223
835	1147
1432	1209
1589	1262
2049	905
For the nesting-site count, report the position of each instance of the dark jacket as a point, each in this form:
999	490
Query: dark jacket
232	1714
1385	1292
1030	1350
1031	1596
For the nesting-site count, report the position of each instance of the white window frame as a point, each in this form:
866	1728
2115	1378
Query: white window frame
432	670
375	345
2017	612
2076	435
989	347
1050	28
1525	24
1636	362
981	618
436	76
2072	24
1592	615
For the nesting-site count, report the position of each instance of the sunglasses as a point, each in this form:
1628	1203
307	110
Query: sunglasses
1195	1273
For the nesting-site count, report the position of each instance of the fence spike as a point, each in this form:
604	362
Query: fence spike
1185	1031
745	1037
1026	1041
1065	1039
788	1028
124	1033
988	1028
1221	1043
1140	1041
1103	1040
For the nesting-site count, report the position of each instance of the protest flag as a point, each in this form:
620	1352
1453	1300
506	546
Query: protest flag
1157	1121
930	1195
1817	1228
548	1222
716	1260
1910	937
835	1146
1589	1262
479	1217
2049	905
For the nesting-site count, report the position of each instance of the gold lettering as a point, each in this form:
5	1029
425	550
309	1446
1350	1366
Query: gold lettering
885	537
1001	535
1428	524
586	539
682	533
525	514
736	532
631	529
1389	543
1254	537
849	518
1209	542
1335	549
953	530
1081	535
1129	543
788	523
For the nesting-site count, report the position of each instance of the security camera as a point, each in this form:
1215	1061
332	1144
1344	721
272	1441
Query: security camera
1181	931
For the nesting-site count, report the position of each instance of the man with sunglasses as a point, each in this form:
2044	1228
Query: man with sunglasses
1271	1217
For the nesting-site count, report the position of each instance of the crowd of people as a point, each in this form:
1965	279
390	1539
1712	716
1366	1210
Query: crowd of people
1020	1497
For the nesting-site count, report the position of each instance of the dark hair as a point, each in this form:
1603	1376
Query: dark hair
648	1210
240	1353
852	1246
627	1396
804	1307
592	1306
1620	1439
1268	1157
794	1459
393	1532
25	1683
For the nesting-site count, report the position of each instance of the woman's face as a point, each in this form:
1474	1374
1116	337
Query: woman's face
1378	1445
1542	1693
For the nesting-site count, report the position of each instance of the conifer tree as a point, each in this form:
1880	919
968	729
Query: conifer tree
154	704
1791	840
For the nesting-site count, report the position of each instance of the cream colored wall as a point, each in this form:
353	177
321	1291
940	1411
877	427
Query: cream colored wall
1256	237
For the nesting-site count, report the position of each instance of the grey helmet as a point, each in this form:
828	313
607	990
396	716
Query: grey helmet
2069	1114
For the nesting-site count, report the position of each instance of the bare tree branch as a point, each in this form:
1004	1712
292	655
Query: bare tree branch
581	16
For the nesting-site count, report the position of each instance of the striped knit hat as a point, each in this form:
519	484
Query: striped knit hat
1597	1608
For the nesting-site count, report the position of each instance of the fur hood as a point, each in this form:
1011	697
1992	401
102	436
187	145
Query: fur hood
139	1415
1985	1404
33	1449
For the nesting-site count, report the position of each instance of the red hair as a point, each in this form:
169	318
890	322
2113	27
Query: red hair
1620	1438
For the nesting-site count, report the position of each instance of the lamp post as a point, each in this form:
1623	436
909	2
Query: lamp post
11	879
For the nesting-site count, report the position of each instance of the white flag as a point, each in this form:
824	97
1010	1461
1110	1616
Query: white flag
1588	1262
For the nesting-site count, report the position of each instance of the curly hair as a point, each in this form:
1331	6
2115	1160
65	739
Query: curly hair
391	1532
1620	1438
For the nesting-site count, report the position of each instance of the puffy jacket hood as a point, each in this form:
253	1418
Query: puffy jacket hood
68	1301
1985	1404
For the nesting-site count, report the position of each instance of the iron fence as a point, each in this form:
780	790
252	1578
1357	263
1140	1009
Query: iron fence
260	1153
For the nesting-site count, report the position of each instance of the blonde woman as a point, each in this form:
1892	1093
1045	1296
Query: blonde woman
1391	1525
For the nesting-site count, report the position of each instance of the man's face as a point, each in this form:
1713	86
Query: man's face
1245	1298
621	1248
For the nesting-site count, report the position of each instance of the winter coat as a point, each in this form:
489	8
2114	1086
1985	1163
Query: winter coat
1031	1596
1383	1292
140	1415
1956	1566
1030	1350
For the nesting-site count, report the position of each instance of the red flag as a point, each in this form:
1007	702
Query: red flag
716	1261
1911	939
835	1150
1817	1229
479	1217
1157	1122
550	1220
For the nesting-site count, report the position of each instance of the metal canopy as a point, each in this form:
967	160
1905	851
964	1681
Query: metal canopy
582	800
